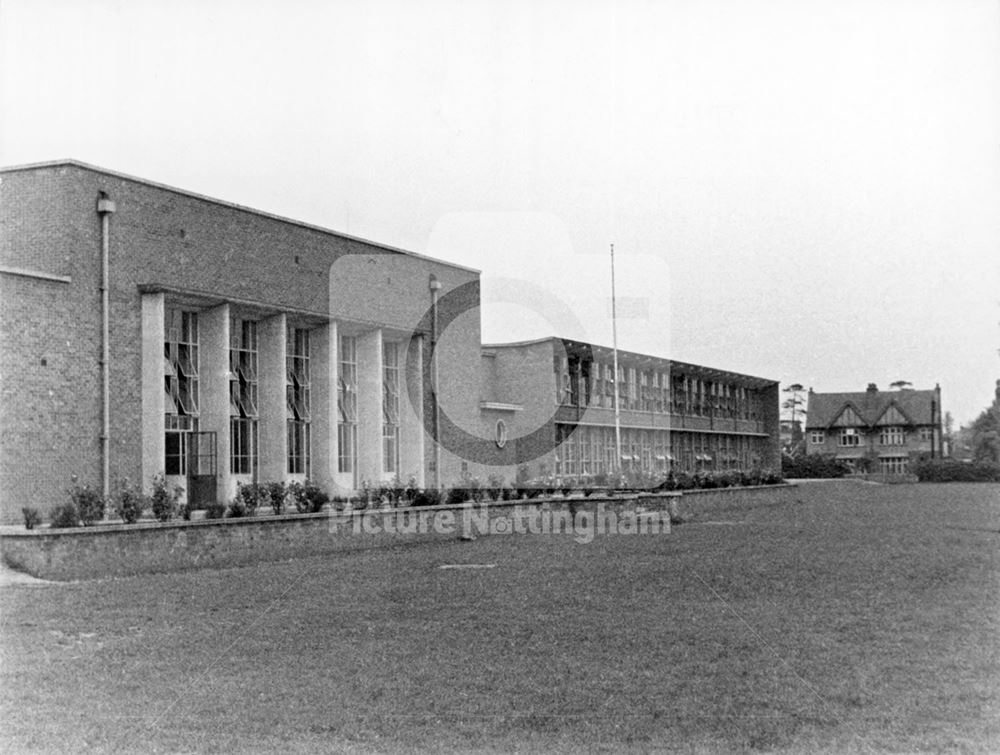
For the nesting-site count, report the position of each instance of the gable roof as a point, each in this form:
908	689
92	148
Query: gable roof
825	408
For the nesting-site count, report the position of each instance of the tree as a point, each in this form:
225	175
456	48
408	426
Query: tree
986	437
949	432
900	384
795	400
794	405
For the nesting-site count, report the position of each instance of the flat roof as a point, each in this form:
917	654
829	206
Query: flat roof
231	205
635	355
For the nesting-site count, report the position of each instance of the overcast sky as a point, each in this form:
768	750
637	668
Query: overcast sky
806	191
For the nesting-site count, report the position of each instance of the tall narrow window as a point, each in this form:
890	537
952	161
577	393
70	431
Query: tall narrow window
243	397
564	383
347	405
180	384
575	390
611	460
680	395
390	408
297	400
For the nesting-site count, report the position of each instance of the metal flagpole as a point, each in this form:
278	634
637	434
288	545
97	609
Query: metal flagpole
617	388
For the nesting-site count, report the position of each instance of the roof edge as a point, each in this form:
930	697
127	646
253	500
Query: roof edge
673	362
232	205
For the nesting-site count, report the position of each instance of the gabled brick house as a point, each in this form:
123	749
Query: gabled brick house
873	430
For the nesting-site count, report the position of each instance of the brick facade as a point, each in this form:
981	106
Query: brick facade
199	254
564	421
172	251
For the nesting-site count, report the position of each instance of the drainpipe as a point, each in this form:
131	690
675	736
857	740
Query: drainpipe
105	208
435	286
940	422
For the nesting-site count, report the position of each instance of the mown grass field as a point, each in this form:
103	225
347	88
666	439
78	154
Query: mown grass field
863	618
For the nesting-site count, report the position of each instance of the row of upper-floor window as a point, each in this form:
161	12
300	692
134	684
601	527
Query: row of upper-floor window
891	435
592	384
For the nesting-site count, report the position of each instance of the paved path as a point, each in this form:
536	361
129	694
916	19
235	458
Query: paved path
9	576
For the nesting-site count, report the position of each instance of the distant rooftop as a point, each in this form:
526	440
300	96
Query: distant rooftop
824	408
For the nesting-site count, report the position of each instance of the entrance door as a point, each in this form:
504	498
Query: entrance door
201	468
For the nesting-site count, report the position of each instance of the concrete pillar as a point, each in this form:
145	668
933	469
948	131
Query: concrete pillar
370	406
153	403
272	336
323	366
214	385
411	431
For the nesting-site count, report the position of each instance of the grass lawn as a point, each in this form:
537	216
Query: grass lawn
862	618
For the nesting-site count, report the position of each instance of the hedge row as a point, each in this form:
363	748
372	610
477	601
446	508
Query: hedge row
949	470
812	466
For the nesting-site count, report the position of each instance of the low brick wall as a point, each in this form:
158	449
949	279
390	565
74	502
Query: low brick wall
696	504
122	550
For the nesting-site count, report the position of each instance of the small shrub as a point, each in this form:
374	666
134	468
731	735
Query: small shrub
163	501
31	517
411	490
705	481
237	508
275	495
457	495
215	510
495	485
639	480
770	477
473	488
343	503
128	502
428	497
65	515
249	497
385	496
309	498
684	481
88	502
